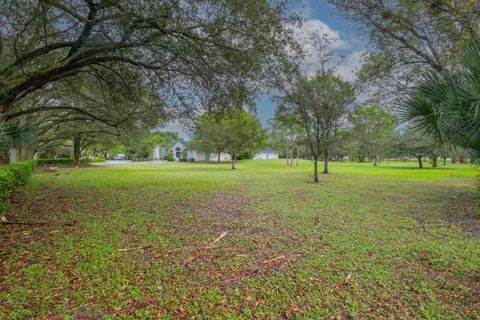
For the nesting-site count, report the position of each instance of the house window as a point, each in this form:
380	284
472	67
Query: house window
178	153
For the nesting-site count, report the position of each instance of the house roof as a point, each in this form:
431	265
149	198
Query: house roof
271	150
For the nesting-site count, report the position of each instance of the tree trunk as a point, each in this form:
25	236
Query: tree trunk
325	162
297	157
315	170
374	161
233	161
291	159
76	150
12	155
444	161
420	164
287	156
218	158
434	161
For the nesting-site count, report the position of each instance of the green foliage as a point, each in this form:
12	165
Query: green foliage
448	106
372	131
245	155
213	55
318	105
12	176
394	234
411	37
235	132
46	162
65	161
156	139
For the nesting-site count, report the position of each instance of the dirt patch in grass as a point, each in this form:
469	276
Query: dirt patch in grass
461	207
240	243
49	204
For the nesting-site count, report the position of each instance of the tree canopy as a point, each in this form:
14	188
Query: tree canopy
182	49
447	106
233	132
318	105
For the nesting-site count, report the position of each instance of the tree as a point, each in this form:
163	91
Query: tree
411	37
415	144
209	134
447	106
285	133
81	112
318	105
235	132
201	47
371	127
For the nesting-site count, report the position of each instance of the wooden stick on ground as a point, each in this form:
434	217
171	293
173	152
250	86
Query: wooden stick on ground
274	259
216	240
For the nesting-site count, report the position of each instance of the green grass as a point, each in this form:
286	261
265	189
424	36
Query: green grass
391	242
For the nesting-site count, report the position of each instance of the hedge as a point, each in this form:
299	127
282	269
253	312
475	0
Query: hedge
46	162
12	176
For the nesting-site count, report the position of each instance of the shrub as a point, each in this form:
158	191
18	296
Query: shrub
92	160
49	162
12	176
170	158
245	155
46	162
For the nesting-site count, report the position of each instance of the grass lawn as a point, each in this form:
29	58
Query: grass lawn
135	241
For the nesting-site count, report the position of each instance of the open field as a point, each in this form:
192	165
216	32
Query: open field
135	241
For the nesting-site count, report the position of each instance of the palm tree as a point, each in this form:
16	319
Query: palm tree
448	106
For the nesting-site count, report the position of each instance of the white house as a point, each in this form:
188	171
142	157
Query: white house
267	153
180	150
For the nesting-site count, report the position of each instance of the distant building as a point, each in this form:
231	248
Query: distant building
180	151
266	154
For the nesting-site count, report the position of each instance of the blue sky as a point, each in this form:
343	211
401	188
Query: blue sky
319	17
352	44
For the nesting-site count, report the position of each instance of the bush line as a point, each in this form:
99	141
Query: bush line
45	162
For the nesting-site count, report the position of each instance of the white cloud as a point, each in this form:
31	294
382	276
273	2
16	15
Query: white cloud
350	65
352	49
312	27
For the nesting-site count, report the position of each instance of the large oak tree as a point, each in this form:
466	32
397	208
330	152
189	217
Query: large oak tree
192	48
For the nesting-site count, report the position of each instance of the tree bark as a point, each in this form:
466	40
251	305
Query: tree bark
374	161
434	161
291	159
297	157
420	164
233	161
444	161
287	156
218	158
76	150
325	162
315	170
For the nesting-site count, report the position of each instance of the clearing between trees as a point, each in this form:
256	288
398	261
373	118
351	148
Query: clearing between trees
197	240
